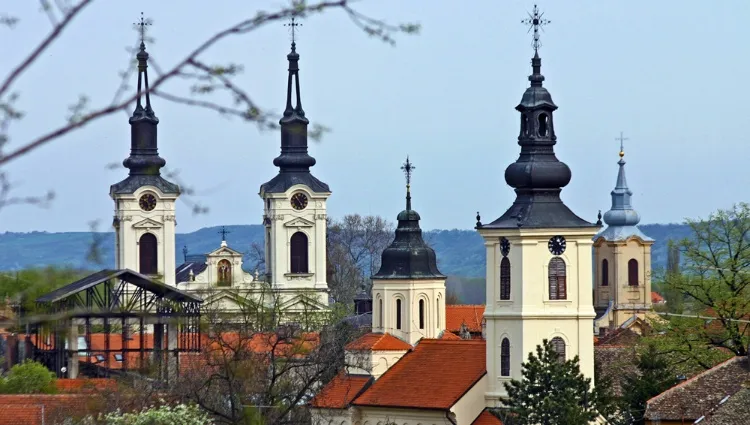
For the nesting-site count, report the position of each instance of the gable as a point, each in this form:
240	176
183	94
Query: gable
147	224
301	302
299	222
224	252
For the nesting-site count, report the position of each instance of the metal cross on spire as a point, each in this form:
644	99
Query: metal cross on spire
408	168
536	22
622	139
223	232
293	24
142	24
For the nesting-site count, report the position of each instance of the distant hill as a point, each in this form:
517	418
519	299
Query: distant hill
460	252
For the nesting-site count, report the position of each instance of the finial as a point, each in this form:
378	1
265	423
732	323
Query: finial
479	221
142	24
223	232
621	139
536	22
184	253
408	168
293	24
599	218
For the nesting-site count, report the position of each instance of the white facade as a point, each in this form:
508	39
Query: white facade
132	222
414	322
530	316
282	222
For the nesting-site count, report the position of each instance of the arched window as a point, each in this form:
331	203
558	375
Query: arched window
557	286
224	271
505	279
299	253
398	314
147	251
421	314
505	357
543	125
633	272
558	345
380	312
605	272
437	309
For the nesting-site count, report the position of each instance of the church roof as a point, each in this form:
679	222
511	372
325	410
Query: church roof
458	314
182	272
487	418
294	162
435	375
622	219
731	410
378	342
339	393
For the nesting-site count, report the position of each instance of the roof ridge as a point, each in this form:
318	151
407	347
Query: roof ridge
694	378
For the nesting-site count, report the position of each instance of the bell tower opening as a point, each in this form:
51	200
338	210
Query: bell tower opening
543	125
299	253
148	254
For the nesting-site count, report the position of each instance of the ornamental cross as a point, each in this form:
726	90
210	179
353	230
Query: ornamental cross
293	24
408	168
536	22
142	24
621	139
223	232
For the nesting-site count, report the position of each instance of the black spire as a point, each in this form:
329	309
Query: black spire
144	161
294	162
537	175
408	256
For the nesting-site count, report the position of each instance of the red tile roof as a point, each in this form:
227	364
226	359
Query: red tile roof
456	314
38	409
450	336
435	375
487	418
85	385
378	342
656	298
340	392
698	395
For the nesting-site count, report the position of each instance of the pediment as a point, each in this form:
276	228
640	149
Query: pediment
301	302
147	224
224	251
299	222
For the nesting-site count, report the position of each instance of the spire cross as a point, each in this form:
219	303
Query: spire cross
408	168
142	24
622	139
536	22
223	232
293	24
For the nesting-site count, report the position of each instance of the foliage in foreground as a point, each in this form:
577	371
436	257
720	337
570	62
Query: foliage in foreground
180	414
652	377
551	392
28	378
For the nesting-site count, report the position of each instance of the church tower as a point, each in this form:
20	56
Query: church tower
295	206
144	219
622	258
408	291
539	269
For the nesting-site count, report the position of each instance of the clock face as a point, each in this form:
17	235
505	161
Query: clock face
147	202
556	245
299	201
504	247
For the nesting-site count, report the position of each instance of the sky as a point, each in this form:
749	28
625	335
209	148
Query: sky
669	74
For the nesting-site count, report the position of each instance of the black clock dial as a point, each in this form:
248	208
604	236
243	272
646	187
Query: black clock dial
299	201
504	247
147	202
556	245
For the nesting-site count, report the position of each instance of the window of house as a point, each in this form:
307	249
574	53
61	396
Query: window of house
118	357
398	314
421	314
299	253
558	345
505	279
605	272
505	357
147	250
224	272
557	283
633	272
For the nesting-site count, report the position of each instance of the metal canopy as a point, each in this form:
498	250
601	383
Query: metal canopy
126	275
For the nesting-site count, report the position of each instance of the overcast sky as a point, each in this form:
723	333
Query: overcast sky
670	74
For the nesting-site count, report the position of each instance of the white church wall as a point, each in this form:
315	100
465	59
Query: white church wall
385	416
468	407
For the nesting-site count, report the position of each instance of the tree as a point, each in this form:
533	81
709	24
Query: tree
451	298
652	377
715	280
355	246
28	378
21	288
204	80
551	392
161	415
